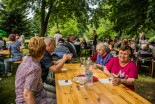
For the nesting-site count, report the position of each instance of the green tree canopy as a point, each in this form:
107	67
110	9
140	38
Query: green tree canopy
13	21
128	16
56	11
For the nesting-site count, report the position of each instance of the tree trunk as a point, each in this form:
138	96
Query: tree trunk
44	21
57	25
42	30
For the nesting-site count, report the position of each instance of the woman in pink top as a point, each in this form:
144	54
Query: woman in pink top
123	67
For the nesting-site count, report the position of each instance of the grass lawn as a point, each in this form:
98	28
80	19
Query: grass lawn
144	86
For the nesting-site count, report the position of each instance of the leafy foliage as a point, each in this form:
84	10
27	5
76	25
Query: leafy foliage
128	16
56	11
13	21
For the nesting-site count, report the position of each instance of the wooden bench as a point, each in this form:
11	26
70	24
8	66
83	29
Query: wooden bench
18	62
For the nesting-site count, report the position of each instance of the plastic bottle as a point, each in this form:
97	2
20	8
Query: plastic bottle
89	77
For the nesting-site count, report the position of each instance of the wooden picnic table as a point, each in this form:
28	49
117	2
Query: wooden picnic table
6	52
98	93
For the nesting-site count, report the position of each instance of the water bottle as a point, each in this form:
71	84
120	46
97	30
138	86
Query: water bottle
89	77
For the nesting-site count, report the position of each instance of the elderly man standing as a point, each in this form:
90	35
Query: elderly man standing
102	57
47	63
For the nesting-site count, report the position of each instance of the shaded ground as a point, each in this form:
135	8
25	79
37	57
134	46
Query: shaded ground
145	86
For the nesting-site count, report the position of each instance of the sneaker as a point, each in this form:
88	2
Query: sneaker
8	74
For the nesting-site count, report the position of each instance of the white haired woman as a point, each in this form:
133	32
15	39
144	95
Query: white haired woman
102	56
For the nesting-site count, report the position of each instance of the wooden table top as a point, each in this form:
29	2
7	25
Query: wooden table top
6	52
97	93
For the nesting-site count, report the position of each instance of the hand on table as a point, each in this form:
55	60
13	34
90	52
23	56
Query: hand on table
116	81
94	66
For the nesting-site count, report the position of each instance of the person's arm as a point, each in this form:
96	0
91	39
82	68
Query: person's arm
132	76
106	71
57	62
29	96
117	81
93	58
57	67
98	66
129	81
112	49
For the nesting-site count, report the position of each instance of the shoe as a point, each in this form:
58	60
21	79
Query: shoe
8	74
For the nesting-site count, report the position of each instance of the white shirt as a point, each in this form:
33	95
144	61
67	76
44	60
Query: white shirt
1	43
57	37
77	43
143	42
106	44
22	39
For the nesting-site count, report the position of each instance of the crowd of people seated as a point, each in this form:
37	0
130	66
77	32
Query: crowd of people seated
113	57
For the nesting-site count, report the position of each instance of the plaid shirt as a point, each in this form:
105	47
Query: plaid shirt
28	76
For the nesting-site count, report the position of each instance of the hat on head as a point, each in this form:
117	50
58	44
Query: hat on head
61	40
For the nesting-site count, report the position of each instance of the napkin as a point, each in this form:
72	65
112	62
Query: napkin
62	82
104	80
64	69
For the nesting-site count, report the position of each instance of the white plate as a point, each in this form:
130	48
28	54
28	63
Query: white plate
80	80
64	69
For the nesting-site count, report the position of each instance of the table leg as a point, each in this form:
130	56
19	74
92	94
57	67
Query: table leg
152	74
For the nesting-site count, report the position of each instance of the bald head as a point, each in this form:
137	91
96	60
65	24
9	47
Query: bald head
49	40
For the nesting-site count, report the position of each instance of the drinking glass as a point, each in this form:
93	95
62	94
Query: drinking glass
110	80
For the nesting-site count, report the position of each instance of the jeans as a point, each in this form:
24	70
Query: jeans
5	63
54	101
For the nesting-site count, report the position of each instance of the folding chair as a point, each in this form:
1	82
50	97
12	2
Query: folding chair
145	60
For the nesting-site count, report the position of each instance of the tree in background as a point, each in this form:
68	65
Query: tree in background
55	10
127	16
13	21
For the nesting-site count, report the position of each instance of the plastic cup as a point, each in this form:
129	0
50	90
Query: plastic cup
110	80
